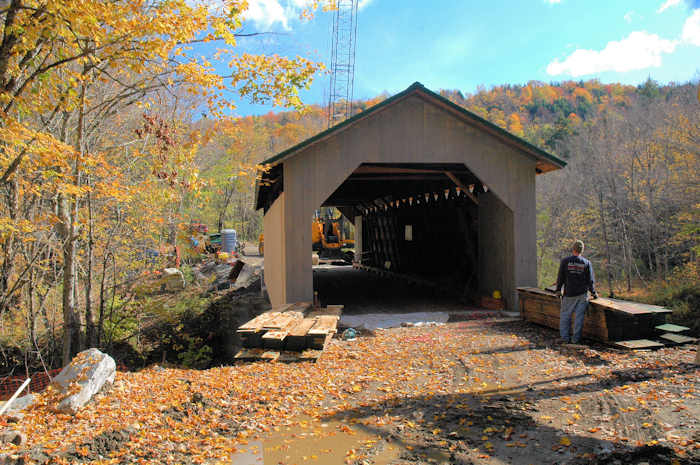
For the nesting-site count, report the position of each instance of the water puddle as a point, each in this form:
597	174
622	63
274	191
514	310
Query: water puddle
310	441
250	454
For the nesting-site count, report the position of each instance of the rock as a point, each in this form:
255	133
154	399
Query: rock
247	276
90	370
200	278
20	404
172	280
222	271
12	437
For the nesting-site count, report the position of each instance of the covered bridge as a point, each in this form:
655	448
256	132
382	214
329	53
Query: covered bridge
432	189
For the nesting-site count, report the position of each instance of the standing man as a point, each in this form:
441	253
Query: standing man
576	276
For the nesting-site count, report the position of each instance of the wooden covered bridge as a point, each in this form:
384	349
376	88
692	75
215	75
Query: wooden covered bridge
433	190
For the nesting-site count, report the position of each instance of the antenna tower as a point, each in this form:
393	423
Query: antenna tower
342	61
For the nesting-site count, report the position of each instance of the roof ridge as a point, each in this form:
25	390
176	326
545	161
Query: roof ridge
417	86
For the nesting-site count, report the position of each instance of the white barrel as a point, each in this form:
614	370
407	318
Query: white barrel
228	240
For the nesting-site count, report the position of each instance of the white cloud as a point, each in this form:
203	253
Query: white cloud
668	4
691	29
265	13
639	50
552	2
628	16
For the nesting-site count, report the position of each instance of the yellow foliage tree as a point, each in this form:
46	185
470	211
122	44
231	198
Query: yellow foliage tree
67	70
514	124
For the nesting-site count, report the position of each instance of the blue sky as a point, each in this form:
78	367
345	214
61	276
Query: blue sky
464	44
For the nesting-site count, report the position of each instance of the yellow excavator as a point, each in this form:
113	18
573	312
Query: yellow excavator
331	238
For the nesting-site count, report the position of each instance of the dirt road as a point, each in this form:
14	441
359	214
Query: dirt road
474	392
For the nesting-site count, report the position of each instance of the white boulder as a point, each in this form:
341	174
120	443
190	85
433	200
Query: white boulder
172	280
84	377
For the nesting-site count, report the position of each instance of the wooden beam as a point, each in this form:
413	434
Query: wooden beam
459	184
369	169
396	177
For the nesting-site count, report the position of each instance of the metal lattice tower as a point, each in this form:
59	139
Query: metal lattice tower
342	61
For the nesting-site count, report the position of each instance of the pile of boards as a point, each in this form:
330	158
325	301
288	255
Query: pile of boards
625	324
292	332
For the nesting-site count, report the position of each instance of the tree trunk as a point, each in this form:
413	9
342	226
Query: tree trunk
31	314
90	333
69	317
78	334
667	235
9	246
105	258
101	315
68	213
629	266
607	244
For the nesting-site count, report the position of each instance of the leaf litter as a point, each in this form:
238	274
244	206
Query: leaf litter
489	391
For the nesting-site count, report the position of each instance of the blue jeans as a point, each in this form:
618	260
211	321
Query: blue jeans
576	305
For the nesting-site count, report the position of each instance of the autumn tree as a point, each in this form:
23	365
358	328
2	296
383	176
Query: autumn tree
69	68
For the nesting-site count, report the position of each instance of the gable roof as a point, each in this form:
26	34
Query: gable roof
269	181
545	160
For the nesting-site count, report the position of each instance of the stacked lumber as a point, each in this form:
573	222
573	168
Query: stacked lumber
290	332
542	306
625	324
672	334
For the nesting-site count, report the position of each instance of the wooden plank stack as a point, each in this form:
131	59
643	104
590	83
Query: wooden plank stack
626	324
542	307
289	332
672	334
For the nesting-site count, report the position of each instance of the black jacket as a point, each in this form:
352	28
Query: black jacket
576	275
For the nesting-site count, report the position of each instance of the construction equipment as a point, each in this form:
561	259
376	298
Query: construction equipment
330	237
214	243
